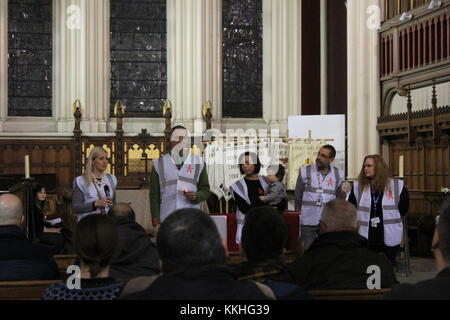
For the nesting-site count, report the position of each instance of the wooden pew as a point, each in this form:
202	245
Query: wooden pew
358	294
63	261
24	290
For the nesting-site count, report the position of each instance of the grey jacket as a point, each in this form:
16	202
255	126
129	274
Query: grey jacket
277	192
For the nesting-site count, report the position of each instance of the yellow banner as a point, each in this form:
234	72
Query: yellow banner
300	154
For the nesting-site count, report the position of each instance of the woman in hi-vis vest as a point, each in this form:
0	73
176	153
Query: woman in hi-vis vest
382	201
94	191
247	190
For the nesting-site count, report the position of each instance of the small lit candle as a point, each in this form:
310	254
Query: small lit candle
400	166
27	167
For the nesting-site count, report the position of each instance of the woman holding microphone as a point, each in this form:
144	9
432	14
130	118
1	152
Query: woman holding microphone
94	191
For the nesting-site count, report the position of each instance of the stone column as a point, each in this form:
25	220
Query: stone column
363	84
81	63
194	58
281	61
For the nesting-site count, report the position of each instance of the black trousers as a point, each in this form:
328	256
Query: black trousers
390	252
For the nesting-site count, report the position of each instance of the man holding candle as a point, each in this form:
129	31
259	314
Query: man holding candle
178	179
382	202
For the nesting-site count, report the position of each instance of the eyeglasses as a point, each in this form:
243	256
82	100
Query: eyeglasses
323	155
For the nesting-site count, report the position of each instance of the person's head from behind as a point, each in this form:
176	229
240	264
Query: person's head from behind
338	215
441	240
188	239
264	234
325	157
11	210
95	240
275	173
122	211
249	164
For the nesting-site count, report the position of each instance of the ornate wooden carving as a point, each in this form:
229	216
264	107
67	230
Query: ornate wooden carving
77	138
422	137
167	114
119	111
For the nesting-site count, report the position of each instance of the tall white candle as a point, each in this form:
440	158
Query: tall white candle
400	166
27	167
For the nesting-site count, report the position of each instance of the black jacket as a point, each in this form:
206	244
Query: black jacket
21	259
206	283
437	288
276	275
136	255
339	260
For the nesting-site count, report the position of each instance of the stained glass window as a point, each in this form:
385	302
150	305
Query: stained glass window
242	58
30	58
138	56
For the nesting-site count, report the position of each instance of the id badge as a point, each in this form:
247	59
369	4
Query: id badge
375	222
319	202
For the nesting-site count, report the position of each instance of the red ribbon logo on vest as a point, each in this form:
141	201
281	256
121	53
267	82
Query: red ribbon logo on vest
189	169
330	182
390	196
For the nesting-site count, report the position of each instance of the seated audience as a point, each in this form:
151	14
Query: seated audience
95	240
193	264
437	288
136	255
339	257
264	238
21	259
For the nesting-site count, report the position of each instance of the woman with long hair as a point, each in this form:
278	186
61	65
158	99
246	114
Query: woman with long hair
247	190
39	196
48	232
94	191
382	201
95	240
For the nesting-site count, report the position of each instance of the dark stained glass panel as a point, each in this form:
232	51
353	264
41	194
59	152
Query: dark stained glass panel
138	56
30	58
242	58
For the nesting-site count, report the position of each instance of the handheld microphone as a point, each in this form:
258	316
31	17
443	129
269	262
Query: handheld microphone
107	193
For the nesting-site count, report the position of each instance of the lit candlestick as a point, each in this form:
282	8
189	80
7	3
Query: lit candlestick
27	167
400	166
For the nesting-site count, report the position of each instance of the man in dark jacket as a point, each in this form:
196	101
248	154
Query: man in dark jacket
264	238
136	254
437	288
21	259
193	265
340	258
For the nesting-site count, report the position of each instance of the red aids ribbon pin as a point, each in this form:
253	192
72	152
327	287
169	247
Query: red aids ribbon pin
189	169
330	182
390	196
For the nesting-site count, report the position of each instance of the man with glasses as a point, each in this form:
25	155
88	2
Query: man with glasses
316	185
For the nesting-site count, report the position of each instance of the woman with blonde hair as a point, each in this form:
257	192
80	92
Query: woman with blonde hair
94	191
382	201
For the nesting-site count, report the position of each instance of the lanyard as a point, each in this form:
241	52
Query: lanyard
320	182
376	199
